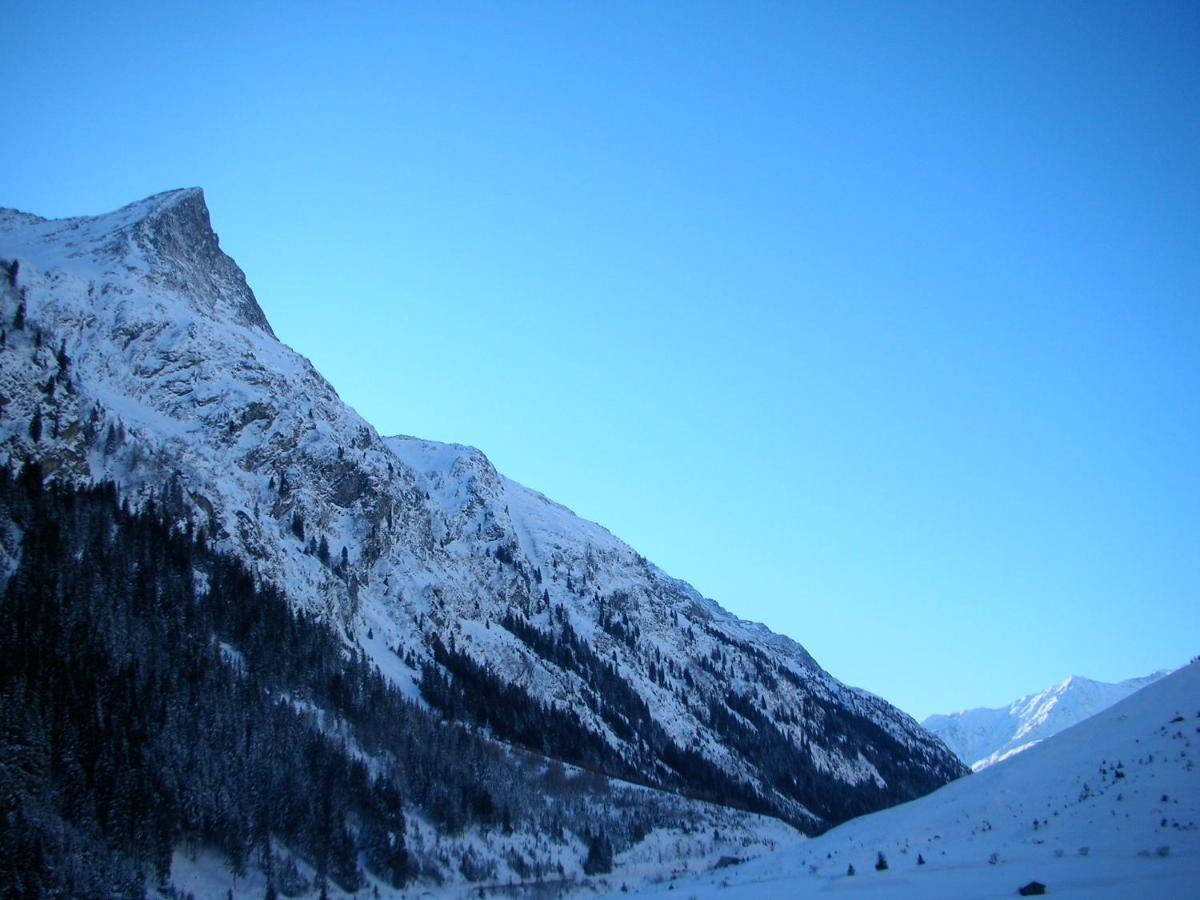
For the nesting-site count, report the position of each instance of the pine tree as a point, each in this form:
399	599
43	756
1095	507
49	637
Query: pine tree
35	425
599	859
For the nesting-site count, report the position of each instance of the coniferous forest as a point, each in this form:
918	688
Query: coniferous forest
154	700
141	711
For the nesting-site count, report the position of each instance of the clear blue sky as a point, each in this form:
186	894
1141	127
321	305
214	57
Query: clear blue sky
879	323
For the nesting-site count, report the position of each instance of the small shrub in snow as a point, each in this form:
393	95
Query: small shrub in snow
1162	851
1084	851
881	863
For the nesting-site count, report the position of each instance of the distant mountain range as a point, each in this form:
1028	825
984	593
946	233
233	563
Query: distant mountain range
982	737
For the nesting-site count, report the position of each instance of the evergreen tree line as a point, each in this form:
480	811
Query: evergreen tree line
129	730
153	698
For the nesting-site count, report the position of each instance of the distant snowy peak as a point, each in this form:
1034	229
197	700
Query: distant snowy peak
983	737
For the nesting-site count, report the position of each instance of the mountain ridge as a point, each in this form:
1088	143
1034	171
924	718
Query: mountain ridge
984	736
145	359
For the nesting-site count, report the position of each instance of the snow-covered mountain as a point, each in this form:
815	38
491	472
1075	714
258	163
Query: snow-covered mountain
983	737
135	351
1109	808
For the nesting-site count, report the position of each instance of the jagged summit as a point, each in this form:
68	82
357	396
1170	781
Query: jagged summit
144	358
82	230
166	239
127	215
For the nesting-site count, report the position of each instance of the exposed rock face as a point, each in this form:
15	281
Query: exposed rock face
179	238
148	361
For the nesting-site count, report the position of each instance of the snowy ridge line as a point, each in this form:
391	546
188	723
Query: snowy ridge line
984	737
146	360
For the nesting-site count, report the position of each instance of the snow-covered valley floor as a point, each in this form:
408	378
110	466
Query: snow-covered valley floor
1107	809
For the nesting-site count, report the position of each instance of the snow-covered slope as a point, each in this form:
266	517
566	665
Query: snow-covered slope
1107	809
982	737
135	351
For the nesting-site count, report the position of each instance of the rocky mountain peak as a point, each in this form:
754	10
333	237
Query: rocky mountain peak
164	241
178	236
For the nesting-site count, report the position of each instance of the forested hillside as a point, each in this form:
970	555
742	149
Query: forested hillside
134	351
152	699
